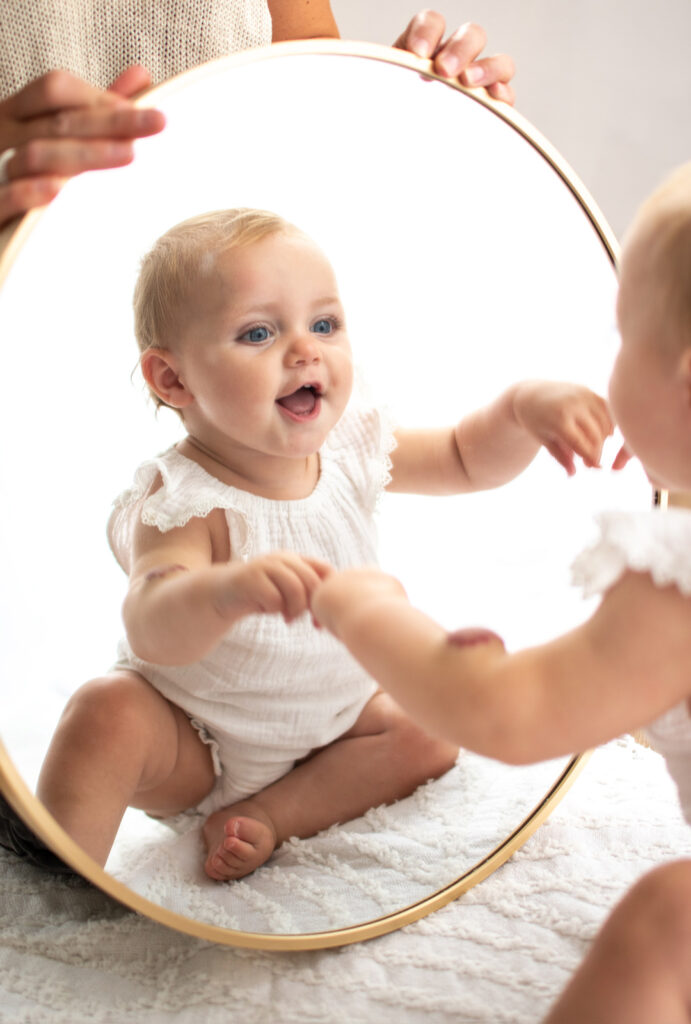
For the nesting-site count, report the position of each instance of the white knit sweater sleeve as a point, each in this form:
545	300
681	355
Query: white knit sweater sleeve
98	39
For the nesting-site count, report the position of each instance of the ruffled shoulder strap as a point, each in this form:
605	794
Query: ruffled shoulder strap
656	541
186	491
362	442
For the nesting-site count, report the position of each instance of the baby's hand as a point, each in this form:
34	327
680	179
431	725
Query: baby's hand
341	592
279	583
567	419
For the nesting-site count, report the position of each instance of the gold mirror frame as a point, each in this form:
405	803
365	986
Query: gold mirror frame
11	783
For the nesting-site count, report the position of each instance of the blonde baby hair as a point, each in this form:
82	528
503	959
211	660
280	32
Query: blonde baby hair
172	266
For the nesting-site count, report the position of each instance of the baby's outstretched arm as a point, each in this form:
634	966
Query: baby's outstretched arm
493	445
617	671
180	602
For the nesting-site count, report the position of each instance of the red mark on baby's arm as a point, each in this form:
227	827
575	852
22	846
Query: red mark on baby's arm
472	636
157	574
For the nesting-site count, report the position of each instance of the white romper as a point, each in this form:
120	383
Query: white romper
269	693
657	542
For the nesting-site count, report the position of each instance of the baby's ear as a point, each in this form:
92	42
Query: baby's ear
160	371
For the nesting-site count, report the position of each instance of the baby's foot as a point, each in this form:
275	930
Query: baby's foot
238	840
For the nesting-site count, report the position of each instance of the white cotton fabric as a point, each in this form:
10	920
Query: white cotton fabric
657	542
269	693
498	955
98	39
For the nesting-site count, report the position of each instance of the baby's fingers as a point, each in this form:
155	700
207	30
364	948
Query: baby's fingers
563	455
584	429
296	578
322	569
587	441
599	411
622	457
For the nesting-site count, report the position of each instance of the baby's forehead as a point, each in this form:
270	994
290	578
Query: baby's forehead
250	262
260	271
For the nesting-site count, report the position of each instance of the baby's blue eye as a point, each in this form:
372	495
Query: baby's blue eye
256	335
323	327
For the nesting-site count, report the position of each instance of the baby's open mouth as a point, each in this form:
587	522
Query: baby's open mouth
302	402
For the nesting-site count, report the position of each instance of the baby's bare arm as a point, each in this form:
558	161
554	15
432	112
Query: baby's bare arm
180	601
618	671
493	445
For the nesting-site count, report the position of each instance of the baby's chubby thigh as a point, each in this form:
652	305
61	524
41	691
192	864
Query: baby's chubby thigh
124	720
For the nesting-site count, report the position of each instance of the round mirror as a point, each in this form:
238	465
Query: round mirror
469	257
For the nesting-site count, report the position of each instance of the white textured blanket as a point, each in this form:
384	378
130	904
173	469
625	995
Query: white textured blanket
499	954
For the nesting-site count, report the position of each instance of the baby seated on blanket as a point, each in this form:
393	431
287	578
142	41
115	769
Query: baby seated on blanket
628	666
225	700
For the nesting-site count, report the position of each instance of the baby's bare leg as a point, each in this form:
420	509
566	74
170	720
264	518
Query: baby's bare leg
383	758
639	968
119	743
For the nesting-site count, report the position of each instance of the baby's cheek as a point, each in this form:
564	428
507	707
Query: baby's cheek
472	636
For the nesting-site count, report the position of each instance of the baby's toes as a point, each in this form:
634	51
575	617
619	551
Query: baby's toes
249	832
229	860
246	845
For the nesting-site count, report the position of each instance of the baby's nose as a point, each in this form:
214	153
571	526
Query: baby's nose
304	348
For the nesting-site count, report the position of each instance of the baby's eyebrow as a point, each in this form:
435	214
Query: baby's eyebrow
271	306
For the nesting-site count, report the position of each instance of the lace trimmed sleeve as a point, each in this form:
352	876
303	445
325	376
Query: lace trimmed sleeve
363	441
186	491
656	541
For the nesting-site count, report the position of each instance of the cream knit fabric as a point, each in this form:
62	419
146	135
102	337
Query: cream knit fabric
269	693
659	543
97	39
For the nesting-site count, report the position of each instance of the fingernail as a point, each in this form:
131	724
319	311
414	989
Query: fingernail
474	76
121	152
148	118
449	65
421	47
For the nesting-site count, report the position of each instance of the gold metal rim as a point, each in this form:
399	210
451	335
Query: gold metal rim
44	825
12	239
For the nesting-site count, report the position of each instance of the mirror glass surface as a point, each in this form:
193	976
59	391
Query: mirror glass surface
466	262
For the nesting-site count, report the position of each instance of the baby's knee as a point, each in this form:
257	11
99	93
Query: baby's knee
663	899
429	756
654	919
108	706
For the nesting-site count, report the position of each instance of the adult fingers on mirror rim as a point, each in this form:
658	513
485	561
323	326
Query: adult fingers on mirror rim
65	158
494	73
20	196
60	106
132	80
423	34
457	57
